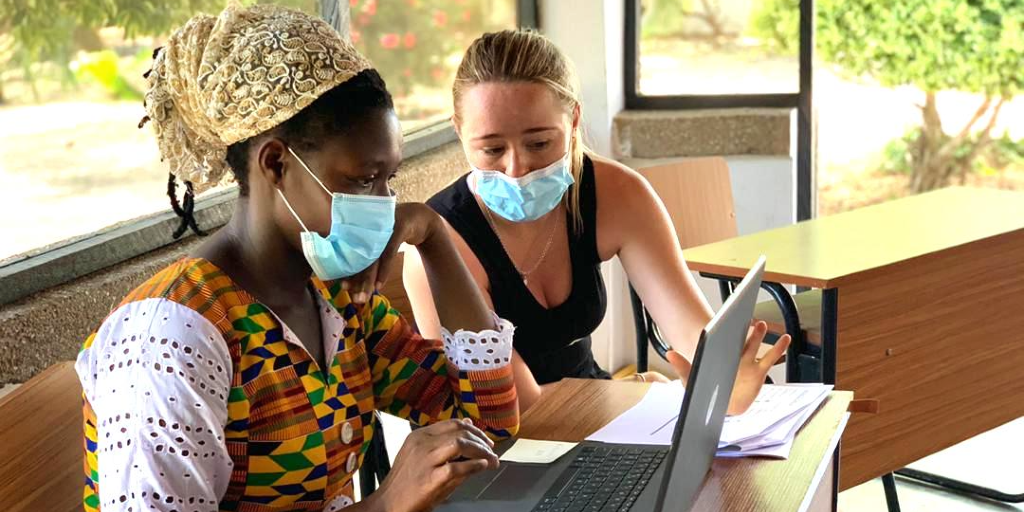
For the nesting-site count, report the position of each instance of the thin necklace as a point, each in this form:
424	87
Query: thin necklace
524	275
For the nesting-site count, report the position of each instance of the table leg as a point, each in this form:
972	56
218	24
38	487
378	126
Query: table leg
892	500
791	317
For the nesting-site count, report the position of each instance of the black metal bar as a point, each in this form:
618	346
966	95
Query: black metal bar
835	477
960	486
805	182
526	14
631	51
640	324
724	289
655	338
791	317
829	333
892	500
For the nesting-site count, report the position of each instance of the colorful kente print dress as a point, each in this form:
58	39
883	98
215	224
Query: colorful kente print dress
198	398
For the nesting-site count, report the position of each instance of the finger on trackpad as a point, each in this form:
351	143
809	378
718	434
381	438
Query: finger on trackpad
513	482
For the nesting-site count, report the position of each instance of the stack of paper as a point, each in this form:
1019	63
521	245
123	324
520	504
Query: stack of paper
767	429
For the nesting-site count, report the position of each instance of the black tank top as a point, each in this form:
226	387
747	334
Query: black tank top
554	343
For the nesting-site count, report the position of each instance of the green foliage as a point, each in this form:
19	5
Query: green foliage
43	27
103	67
663	18
936	45
777	24
1006	152
53	31
897	156
968	45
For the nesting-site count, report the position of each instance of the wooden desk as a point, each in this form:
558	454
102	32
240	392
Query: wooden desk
804	482
922	302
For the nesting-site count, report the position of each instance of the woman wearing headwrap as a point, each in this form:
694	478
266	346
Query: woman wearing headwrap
244	376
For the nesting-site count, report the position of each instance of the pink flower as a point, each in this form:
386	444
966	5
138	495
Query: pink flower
370	8
363	20
390	41
407	72
467	15
353	3
356	36
409	41
440	18
437	74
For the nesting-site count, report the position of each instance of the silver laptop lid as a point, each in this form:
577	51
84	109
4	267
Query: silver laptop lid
708	388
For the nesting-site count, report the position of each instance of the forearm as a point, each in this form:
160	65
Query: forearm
672	296
458	301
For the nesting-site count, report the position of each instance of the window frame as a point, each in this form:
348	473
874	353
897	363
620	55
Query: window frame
801	100
67	260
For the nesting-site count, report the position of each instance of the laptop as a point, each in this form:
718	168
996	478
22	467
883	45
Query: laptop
624	477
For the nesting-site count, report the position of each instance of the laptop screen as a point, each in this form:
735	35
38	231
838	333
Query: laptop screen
708	388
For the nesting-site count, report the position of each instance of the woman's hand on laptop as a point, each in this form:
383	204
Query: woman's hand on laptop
433	461
752	370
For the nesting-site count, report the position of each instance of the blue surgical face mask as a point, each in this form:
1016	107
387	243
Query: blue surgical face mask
526	198
361	227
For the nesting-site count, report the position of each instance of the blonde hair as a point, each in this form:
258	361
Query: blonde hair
527	56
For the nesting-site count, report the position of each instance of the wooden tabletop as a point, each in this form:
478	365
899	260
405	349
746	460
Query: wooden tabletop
829	251
576	408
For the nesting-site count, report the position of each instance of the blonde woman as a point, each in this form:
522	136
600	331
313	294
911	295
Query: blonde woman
538	214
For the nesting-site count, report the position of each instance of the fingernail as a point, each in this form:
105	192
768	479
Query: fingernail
359	297
378	285
344	285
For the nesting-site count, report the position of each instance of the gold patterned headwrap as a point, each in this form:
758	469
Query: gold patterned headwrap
222	80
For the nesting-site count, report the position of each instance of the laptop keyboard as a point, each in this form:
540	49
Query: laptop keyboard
602	479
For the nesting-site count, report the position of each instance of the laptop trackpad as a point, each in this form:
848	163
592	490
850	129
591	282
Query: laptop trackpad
514	482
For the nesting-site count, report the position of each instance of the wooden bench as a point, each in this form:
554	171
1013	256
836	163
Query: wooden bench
41	451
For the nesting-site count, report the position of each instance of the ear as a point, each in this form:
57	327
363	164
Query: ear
270	161
576	116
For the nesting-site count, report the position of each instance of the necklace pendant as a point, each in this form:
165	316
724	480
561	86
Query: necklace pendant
526	280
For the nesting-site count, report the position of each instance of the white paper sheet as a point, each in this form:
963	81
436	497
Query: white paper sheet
652	421
774	405
776	443
533	451
767	429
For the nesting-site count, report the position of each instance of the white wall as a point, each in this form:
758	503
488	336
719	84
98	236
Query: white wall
590	33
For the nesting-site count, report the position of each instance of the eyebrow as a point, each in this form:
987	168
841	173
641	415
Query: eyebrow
525	132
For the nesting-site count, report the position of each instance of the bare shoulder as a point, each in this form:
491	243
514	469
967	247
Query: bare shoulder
612	174
624	200
618	185
616	180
